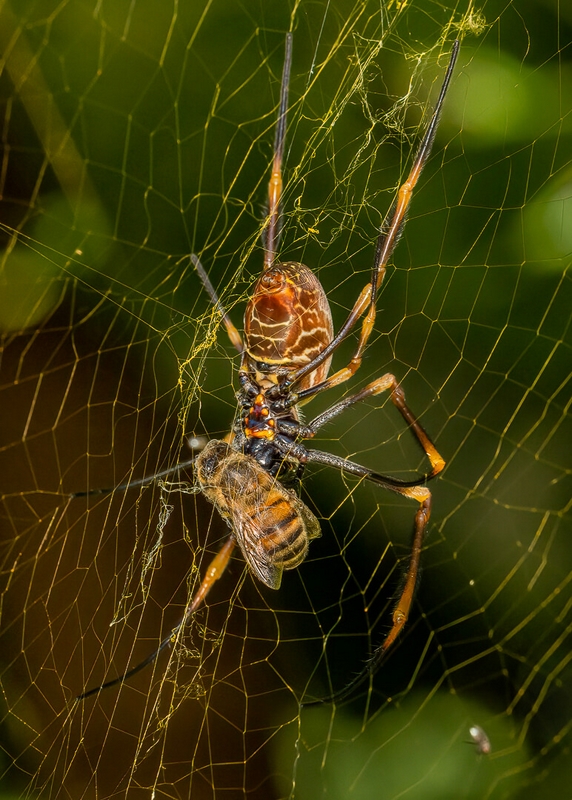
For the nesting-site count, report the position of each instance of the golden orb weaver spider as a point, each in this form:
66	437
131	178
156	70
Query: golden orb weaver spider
286	353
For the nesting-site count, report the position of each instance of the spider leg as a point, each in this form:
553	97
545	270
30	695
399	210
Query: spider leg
422	495
213	573
400	612
146	480
272	233
383	384
405	599
391	230
233	333
306	456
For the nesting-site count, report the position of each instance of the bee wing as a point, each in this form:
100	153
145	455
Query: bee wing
249	537
311	524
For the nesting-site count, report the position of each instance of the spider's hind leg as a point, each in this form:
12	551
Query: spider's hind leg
214	571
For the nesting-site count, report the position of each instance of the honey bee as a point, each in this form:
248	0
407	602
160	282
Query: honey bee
270	524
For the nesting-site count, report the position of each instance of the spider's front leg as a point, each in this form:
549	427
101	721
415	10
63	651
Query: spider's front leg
389	236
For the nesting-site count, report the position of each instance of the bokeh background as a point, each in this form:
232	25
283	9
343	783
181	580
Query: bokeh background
137	133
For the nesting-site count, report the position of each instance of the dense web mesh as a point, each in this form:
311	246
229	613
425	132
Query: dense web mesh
135	134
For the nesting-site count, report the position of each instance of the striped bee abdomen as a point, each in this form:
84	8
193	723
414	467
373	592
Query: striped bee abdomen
285	536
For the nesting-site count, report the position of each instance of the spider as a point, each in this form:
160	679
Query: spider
286	352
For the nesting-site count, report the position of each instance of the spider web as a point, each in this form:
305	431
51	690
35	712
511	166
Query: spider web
135	134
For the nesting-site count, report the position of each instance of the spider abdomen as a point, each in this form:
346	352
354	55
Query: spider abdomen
288	321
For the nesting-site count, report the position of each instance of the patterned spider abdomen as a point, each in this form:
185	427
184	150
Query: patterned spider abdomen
287	323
